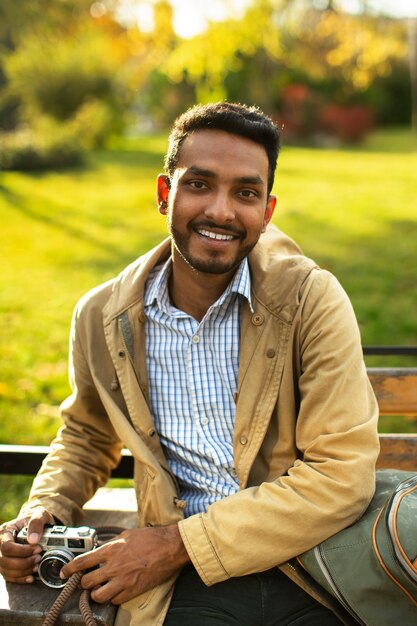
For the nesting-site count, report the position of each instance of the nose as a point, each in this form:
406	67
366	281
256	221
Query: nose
220	208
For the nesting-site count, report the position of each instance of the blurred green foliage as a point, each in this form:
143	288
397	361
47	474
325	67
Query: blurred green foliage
81	72
68	76
27	149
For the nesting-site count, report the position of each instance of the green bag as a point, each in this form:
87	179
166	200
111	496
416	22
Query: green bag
368	566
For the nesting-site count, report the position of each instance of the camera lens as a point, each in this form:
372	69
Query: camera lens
50	566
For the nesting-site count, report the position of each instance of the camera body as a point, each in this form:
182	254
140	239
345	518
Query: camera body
60	545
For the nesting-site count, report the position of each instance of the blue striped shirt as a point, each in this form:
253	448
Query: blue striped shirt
192	371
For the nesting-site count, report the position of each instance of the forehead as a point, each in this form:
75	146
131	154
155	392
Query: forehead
220	151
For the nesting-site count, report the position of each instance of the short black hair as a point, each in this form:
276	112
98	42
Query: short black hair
237	119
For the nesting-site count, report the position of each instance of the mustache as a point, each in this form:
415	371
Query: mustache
226	228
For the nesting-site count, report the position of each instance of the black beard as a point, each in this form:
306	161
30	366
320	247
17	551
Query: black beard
210	266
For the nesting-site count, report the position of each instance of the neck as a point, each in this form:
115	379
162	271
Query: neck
194	292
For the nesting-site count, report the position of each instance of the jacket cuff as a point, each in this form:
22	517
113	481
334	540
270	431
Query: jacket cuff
201	551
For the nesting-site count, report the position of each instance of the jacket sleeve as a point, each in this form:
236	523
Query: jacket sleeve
334	427
86	447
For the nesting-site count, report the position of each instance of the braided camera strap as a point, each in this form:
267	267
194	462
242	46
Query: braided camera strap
71	586
105	534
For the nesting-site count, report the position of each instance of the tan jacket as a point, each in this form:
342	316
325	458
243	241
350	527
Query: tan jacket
305	440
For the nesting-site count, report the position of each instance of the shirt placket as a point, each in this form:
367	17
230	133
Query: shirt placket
200	365
195	358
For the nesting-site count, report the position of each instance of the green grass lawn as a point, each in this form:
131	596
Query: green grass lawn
353	210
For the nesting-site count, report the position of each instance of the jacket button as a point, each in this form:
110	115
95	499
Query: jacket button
180	504
122	354
114	385
270	353
257	319
243	440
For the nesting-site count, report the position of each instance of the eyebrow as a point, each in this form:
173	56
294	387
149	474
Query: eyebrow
244	180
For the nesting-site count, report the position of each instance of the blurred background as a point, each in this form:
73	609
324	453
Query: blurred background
88	91
75	72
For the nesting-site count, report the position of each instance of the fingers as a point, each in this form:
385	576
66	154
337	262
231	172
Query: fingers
110	592
104	581
9	530
18	561
9	548
40	517
97	580
82	562
19	570
105	588
131	564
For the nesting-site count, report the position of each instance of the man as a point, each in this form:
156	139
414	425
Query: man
231	366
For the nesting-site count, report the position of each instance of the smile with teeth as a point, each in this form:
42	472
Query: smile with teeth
218	236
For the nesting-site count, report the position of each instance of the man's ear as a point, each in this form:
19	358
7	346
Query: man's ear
163	193
269	211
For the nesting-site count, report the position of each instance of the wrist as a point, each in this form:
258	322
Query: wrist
179	552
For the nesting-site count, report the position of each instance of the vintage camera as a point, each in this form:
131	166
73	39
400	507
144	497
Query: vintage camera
60	545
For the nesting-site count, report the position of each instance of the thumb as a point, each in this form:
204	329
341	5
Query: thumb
36	524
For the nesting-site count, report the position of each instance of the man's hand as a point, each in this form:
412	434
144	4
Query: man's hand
18	562
134	562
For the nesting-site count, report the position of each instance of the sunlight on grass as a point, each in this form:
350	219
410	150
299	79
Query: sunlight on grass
354	211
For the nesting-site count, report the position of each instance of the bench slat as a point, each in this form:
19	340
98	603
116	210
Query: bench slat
398	452
27	460
395	389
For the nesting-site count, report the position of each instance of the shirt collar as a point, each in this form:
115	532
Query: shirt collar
157	286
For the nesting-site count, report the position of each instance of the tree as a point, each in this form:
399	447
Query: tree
278	42
412	30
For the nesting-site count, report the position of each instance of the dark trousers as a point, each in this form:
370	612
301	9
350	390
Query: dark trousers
266	599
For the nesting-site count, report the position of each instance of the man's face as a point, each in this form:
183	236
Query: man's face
217	205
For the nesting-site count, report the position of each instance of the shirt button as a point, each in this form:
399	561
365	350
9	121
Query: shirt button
204	421
195	339
233	472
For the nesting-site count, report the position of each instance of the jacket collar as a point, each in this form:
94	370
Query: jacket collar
277	268
128	288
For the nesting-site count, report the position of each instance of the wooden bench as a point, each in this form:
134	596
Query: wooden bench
396	392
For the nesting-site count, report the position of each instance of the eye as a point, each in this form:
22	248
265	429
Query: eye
248	193
196	184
